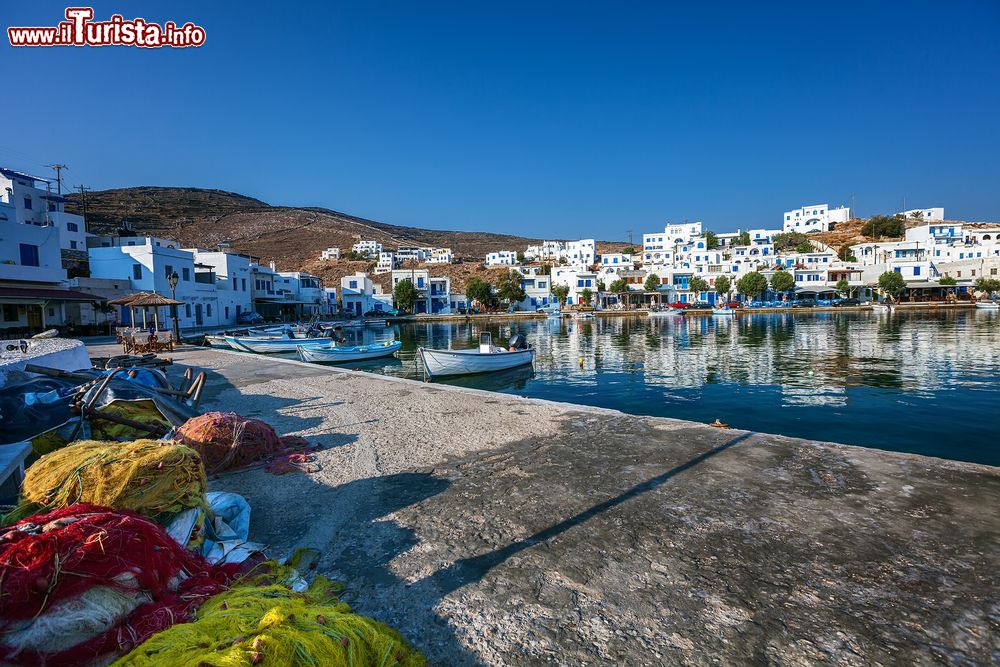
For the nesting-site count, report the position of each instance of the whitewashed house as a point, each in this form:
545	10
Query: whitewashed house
386	262
928	214
368	248
815	218
330	253
357	294
32	202
617	260
581	254
502	258
441	256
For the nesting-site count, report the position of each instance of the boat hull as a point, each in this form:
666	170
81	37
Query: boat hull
345	354
270	346
438	363
988	306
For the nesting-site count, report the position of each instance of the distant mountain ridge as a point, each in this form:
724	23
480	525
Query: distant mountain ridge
291	236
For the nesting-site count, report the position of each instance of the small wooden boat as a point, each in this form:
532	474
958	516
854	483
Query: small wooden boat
988	305
270	345
348	353
484	359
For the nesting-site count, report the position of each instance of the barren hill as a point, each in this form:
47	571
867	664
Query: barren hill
292	237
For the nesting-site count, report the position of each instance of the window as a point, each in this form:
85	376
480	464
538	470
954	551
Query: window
244	283
27	203
227	312
72	227
354	284
916	270
168	270
72	245
29	255
137	271
185	273
10	312
187	310
208	309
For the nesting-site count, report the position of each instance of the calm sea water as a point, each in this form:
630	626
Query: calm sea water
920	382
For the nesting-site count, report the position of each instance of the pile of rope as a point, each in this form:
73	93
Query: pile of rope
84	584
273	625
228	441
151	477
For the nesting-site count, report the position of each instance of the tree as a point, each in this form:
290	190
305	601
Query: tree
892	283
752	284
744	238
405	294
988	285
601	287
652	283
845	254
723	285
509	288
628	251
884	225
586	297
698	284
792	241
948	281
782	281
480	290
561	293
520	257
711	240
843	287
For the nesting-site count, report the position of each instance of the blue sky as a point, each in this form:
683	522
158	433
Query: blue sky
554	119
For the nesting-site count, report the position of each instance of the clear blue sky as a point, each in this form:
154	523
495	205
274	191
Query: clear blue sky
558	119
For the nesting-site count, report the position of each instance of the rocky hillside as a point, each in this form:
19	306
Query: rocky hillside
292	237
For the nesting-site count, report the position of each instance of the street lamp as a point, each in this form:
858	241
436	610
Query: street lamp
172	281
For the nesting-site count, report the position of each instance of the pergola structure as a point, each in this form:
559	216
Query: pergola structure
145	300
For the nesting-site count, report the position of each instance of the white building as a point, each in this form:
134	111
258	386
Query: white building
441	256
386	262
357	294
577	281
617	260
434	290
537	288
32	202
502	258
815	218
330	253
369	248
230	273
927	214
582	253
546	251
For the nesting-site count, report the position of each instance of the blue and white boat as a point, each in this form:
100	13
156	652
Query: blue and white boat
344	353
483	359
262	345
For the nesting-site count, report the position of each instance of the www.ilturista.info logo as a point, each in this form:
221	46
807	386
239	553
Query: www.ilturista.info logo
79	29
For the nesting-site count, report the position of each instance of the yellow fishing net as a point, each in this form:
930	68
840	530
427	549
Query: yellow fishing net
151	477
274	626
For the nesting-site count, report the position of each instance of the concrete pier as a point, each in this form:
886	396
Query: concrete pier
491	529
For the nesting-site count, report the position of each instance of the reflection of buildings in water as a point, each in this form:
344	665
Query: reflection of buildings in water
821	355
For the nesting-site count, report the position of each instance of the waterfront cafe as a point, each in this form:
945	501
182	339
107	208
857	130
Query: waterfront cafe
139	304
930	291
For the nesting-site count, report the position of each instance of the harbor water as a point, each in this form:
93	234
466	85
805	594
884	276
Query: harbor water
925	382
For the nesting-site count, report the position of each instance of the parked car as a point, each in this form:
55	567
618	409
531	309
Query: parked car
249	317
804	303
701	305
679	304
848	302
734	304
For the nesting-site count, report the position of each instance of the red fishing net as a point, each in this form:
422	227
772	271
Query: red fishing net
50	561
226	440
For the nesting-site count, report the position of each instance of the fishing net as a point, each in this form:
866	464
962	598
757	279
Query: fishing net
227	441
273	625
143	411
84	583
152	477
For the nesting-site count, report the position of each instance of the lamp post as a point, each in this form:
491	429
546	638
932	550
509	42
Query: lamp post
172	281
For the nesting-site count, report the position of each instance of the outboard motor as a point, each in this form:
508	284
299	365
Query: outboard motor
517	342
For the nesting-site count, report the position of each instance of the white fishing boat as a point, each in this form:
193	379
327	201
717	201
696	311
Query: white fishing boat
270	345
584	315
214	340
348	353
484	359
988	305
725	311
880	307
554	313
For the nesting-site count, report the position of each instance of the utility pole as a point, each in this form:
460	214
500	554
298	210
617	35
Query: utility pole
58	169
854	209
83	197
48	191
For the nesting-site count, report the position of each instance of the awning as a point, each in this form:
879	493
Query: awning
47	294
